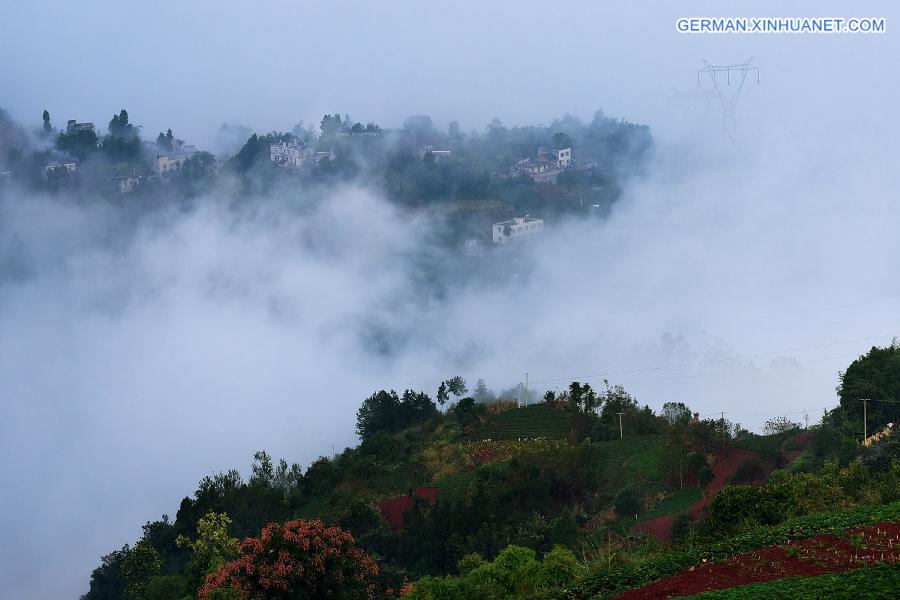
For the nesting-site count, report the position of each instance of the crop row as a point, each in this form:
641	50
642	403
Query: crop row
882	581
629	575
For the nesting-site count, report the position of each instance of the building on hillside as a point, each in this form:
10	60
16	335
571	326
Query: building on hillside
546	167
289	153
57	166
329	154
518	229
560	157
129	183
165	164
437	154
73	127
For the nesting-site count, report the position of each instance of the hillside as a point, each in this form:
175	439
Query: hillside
454	503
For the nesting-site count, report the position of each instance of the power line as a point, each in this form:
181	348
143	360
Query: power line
711	362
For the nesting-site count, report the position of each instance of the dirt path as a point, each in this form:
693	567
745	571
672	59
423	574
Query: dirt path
724	469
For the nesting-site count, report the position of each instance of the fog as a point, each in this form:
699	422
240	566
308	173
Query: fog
141	350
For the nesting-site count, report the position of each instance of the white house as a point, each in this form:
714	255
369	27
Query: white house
71	167
289	153
437	154
517	229
165	164
561	158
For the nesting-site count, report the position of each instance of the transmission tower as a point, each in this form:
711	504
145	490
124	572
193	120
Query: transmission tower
728	97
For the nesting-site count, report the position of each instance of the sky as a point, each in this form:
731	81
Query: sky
139	353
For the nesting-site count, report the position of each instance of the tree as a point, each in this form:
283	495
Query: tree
329	125
47	126
212	547
107	580
481	393
876	376
454	385
140	565
676	413
297	559
562	140
779	425
386	411
165	141
627	502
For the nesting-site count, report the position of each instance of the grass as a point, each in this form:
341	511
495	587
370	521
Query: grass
882	581
534	421
676	503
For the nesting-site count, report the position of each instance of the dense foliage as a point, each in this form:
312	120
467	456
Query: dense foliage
299	559
875	377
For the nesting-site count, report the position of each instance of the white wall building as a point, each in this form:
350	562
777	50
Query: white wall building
289	153
164	164
71	167
517	229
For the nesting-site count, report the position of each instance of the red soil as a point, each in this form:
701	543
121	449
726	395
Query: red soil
802	439
807	557
723	470
393	508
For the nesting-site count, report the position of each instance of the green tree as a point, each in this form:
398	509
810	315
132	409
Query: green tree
140	565
212	547
875	376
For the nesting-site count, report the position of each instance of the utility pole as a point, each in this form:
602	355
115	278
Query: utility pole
865	402
723	427
621	435
526	388
806	418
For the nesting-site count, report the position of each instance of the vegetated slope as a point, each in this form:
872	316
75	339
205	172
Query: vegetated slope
620	578
723	470
874	583
527	422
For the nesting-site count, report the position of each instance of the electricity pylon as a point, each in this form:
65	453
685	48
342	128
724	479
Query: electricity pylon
728	98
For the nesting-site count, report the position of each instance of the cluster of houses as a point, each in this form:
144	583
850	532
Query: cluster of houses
293	153
546	167
166	161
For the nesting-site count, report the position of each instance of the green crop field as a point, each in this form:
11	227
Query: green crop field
534	421
676	503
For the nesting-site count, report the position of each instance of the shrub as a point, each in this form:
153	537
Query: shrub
749	471
627	502
299	559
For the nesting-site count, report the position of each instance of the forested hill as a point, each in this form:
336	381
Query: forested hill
474	497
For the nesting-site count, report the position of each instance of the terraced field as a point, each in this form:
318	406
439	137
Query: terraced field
528	422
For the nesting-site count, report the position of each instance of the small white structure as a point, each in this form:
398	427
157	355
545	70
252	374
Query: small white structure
165	164
437	154
290	153
73	127
71	167
517	229
559	158
129	183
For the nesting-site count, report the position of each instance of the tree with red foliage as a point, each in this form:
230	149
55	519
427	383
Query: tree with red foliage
300	559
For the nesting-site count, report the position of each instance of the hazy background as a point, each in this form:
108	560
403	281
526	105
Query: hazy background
141	352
